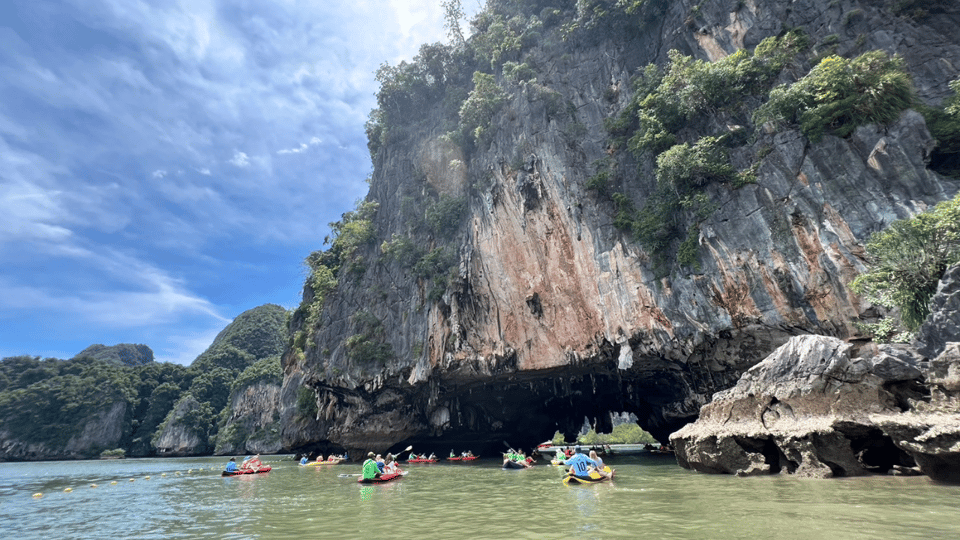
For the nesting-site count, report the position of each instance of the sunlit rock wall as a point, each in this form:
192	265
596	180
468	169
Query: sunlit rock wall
554	314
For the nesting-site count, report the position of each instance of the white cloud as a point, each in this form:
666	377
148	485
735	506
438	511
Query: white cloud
128	292
314	141
159	173
185	348
240	159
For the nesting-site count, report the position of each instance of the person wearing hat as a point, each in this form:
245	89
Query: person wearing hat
580	464
232	465
370	469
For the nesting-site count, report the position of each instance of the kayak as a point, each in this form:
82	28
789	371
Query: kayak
513	465
594	478
556	463
454	458
471	458
327	462
418	460
382	478
265	468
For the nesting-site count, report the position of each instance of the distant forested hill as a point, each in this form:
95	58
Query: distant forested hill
108	398
124	354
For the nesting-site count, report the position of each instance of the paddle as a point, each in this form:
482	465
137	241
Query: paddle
407	449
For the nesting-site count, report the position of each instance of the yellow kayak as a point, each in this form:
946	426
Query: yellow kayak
325	462
594	477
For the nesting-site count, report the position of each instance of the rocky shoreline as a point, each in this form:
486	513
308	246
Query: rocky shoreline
822	407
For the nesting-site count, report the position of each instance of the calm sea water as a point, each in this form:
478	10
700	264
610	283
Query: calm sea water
650	498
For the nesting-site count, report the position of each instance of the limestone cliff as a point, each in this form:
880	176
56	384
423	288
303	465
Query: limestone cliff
101	430
551	312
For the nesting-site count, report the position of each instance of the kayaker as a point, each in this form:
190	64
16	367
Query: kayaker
231	465
391	465
580	464
452	454
303	460
370	469
381	466
245	464
599	462
432	456
254	463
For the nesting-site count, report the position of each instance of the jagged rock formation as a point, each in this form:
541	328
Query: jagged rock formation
125	354
815	408
553	313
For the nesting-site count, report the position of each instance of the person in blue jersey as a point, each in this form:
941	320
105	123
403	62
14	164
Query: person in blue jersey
303	460
580	464
231	465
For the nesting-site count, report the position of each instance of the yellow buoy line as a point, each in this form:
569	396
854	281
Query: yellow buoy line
39	495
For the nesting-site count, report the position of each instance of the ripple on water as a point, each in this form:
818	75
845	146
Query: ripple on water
650	498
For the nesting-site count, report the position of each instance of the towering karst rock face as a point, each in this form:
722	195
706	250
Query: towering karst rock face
544	309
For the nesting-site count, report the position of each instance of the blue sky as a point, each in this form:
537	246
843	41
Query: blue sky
167	165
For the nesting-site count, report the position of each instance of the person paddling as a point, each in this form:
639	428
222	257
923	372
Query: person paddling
231	465
370	470
580	464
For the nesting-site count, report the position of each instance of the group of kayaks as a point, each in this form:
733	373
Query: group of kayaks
594	476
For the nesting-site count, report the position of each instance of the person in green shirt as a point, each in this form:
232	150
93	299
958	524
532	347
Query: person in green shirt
370	469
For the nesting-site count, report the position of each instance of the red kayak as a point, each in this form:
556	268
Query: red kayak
238	472
454	458
418	460
382	478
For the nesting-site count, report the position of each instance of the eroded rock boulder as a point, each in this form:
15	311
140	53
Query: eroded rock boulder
813	408
804	409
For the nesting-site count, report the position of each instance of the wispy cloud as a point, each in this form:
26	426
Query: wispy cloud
302	148
153	152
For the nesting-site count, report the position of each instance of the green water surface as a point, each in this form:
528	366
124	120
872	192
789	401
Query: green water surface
650	497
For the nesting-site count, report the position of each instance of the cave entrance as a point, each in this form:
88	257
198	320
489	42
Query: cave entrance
522	412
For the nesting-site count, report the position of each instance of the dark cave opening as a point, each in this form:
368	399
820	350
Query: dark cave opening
876	452
489	417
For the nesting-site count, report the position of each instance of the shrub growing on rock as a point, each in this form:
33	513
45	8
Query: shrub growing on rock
907	259
839	95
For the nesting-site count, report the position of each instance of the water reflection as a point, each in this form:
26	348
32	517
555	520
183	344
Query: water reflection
586	502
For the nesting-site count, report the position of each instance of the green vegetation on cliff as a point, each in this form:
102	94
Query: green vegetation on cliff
905	263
